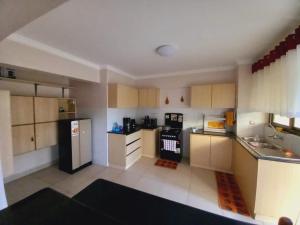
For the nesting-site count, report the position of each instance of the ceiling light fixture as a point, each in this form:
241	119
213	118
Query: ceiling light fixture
166	50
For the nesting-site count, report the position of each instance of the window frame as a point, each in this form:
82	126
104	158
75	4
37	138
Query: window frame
288	129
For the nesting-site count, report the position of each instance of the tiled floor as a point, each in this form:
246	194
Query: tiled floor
190	186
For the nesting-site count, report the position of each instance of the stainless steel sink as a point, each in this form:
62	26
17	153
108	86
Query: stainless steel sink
266	149
262	145
254	139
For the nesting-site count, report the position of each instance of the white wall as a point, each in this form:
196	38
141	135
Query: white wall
186	80
32	161
113	114
3	201
23	55
92	103
248	123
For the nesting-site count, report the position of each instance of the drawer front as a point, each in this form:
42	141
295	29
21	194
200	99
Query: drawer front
133	137
130	148
133	157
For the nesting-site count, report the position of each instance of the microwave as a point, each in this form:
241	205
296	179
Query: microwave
214	123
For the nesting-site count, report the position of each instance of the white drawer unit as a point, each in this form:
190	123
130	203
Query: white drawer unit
124	150
133	146
133	137
133	157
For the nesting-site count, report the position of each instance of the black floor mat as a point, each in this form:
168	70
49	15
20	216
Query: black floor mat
134	207
48	207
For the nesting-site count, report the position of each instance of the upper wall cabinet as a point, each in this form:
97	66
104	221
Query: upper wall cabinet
122	96
201	96
21	110
45	109
149	97
223	95
213	96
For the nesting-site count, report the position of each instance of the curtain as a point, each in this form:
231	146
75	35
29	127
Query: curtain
276	87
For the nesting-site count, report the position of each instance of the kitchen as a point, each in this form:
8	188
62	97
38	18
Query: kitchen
181	125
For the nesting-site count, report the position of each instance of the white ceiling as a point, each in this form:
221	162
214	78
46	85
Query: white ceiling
125	33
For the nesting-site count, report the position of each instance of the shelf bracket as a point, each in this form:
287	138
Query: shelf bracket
35	89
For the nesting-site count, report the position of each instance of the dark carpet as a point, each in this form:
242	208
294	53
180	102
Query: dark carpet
105	203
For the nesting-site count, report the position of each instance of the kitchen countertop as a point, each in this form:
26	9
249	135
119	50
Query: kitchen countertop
258	156
202	132
138	128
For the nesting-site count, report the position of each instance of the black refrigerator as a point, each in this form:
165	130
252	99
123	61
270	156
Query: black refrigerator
75	144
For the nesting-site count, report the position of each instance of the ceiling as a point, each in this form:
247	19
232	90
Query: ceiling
125	33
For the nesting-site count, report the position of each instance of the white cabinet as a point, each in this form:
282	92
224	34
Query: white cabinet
124	150
211	152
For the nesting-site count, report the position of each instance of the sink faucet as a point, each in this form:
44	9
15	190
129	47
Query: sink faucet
276	134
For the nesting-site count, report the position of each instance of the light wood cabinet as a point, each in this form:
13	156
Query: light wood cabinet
6	145
122	96
149	97
23	139
201	96
200	150
221	153
213	96
45	109
21	110
150	140
124	150
211	152
223	95
46	134
245	168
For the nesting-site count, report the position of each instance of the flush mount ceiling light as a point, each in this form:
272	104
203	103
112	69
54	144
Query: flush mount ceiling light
166	50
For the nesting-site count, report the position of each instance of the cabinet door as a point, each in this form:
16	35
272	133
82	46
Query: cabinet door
85	141
46	134
46	109
201	96
143	97
150	139
21	110
153	97
23	139
221	153
133	97
223	95
200	150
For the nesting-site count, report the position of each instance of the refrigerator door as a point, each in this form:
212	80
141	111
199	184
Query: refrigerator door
85	141
75	144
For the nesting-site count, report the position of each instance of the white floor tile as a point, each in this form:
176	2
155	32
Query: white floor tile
191	186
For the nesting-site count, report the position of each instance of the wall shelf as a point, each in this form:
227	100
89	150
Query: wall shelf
35	83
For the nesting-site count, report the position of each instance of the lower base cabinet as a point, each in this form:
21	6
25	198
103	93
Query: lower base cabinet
245	168
124	150
150	140
23	139
211	152
46	134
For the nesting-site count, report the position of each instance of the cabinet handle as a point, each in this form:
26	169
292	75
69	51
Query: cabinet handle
32	139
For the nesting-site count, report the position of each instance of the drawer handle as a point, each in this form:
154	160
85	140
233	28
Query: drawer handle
32	138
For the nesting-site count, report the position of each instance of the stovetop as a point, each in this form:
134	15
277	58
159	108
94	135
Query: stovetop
174	131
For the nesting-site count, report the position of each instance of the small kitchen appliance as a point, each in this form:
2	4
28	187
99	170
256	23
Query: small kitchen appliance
214	123
126	124
171	147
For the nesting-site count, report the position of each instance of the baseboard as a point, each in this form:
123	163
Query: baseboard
210	168
25	173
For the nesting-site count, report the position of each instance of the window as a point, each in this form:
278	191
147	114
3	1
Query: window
291	125
281	120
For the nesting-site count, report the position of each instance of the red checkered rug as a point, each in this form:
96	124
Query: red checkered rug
166	163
